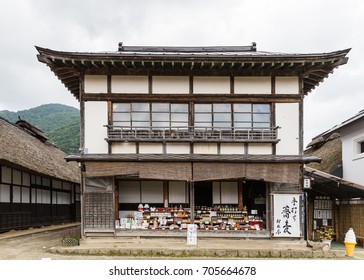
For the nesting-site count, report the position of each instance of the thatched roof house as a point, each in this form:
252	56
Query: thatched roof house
328	175
21	146
329	149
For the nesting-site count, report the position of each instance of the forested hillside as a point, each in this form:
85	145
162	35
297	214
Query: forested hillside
59	122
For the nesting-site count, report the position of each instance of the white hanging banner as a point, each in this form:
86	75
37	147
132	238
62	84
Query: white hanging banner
286	215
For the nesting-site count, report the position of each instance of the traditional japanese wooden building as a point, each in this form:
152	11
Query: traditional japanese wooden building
205	135
37	186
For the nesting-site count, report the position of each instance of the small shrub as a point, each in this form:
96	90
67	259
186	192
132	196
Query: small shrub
71	237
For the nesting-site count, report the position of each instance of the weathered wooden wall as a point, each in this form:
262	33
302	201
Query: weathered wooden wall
345	216
350	216
201	171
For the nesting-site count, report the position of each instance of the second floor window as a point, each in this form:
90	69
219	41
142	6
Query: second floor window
251	116
169	115
154	115
215	116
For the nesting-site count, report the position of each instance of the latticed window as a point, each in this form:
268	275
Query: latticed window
213	115
145	115
169	115
216	116
252	116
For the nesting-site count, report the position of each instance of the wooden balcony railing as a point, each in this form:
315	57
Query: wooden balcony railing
191	134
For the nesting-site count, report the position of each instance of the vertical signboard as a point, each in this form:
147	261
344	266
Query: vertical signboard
286	215
191	234
322	213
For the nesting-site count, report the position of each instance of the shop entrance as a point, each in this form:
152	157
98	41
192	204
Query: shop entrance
203	194
254	196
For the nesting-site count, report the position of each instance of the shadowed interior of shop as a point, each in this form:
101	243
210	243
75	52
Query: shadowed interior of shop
217	205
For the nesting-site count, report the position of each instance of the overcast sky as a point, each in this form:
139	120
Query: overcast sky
290	26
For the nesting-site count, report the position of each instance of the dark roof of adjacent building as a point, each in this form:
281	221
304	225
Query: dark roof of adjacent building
327	148
225	60
328	184
33	130
327	175
22	149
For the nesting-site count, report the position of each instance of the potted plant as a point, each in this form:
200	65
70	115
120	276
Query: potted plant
326	234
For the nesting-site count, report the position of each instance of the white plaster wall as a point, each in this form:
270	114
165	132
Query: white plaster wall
205	148
95	132
252	85
287	85
287	117
211	85
150	148
232	148
170	84
123	148
95	84
129	84
353	161
259	149
178	148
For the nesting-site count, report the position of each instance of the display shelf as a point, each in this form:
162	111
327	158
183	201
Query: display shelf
207	218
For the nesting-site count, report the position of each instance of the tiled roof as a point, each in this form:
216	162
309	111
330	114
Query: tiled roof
216	61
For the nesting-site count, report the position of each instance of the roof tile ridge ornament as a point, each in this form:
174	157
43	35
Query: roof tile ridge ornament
186	49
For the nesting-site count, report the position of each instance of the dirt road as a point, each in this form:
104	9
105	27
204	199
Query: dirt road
34	247
35	244
28	247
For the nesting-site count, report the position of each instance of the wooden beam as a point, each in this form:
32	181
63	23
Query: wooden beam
200	98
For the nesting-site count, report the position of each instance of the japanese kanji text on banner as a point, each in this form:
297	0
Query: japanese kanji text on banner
286	215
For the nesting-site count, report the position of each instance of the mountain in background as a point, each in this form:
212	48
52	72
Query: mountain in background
59	122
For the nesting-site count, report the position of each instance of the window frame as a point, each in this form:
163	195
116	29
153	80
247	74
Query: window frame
250	116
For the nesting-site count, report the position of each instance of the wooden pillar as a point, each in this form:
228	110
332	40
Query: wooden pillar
336	219
240	195
116	197
165	193
268	207
82	199
192	201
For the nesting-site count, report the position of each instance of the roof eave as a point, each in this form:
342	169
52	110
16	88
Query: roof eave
313	67
191	158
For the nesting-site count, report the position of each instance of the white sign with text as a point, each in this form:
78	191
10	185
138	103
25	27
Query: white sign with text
286	215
